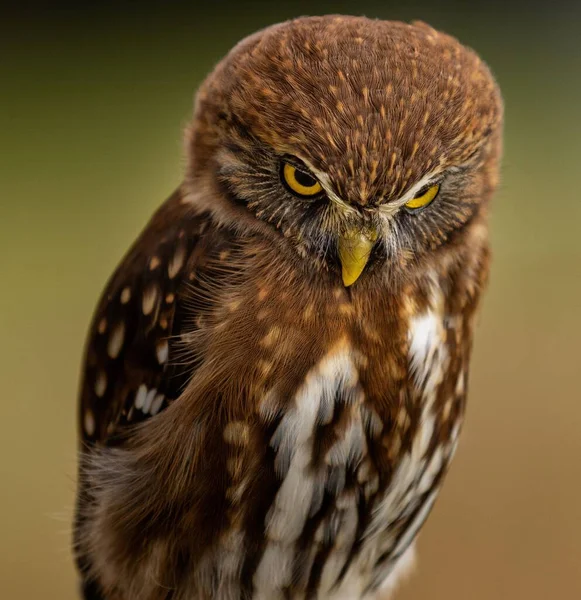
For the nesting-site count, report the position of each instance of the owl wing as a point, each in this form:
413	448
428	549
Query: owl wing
132	368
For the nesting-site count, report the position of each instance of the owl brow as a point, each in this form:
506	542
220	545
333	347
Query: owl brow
325	182
424	183
298	163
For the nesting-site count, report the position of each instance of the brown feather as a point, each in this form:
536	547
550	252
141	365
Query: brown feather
230	306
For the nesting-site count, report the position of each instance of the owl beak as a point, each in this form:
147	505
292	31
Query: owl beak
354	249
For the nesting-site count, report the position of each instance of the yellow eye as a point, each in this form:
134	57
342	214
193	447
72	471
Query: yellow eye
300	183
424	199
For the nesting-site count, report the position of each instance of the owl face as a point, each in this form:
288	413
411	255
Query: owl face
369	149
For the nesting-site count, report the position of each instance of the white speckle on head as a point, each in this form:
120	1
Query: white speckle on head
116	340
149	300
177	262
140	397
125	295
156	404
100	383
89	422
162	351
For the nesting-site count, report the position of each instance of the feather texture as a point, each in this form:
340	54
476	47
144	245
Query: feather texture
250	427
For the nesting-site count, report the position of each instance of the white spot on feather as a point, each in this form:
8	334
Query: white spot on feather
148	400
156	404
89	422
101	383
162	352
149	299
116	340
125	295
176	262
140	397
428	353
424	337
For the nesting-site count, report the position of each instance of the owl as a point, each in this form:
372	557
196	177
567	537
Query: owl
276	374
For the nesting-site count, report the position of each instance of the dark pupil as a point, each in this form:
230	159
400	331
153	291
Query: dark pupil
305	179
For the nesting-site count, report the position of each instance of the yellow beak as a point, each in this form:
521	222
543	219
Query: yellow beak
354	250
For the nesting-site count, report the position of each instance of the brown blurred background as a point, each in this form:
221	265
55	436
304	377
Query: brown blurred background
92	105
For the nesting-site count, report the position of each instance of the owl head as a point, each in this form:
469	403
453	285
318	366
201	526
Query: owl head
362	146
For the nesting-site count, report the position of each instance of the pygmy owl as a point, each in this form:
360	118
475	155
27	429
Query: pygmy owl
276	374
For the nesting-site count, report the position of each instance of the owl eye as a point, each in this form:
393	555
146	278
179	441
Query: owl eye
424	199
299	182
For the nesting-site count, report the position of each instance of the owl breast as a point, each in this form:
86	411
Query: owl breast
300	461
356	477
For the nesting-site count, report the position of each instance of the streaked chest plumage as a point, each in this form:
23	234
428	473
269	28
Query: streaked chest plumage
356	478
304	454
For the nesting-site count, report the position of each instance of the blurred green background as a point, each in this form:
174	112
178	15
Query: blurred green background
92	106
